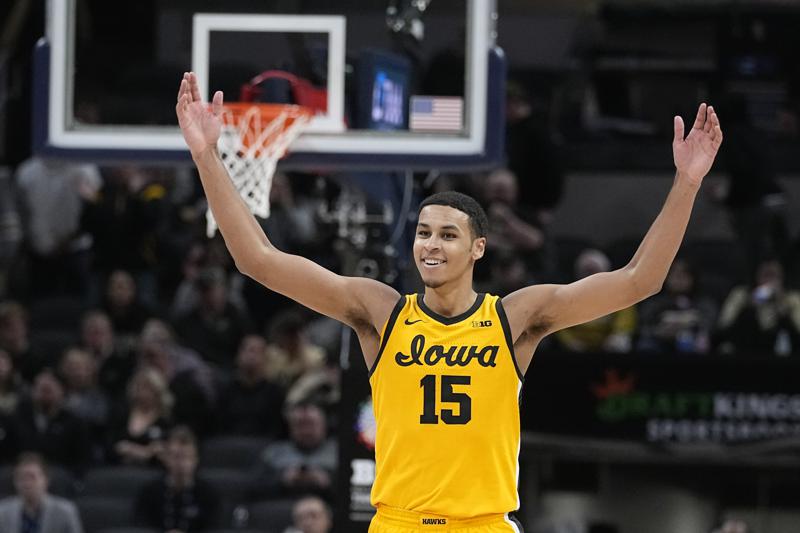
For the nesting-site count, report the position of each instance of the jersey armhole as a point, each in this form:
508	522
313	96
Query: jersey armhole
501	313
387	331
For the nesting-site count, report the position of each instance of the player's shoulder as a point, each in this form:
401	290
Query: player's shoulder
374	301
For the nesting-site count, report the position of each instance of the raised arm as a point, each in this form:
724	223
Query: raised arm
542	309
358	302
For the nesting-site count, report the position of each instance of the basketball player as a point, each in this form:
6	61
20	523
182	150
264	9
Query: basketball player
446	366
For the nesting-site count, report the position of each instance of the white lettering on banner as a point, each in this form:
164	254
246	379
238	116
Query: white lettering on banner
759	406
682	430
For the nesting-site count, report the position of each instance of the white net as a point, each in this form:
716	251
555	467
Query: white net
251	145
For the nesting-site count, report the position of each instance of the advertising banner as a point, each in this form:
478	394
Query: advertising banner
663	398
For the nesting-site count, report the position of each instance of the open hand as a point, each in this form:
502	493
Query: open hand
200	125
695	154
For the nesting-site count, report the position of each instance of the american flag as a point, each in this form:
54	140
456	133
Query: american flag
436	113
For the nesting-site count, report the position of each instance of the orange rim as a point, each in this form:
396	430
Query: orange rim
234	111
268	112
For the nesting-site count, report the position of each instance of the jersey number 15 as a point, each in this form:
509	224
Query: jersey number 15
429	416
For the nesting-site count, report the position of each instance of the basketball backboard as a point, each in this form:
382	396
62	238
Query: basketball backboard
403	83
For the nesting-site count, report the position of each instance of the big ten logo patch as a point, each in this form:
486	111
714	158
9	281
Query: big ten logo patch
481	323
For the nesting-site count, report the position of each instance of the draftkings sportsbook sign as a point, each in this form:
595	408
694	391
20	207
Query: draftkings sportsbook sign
663	398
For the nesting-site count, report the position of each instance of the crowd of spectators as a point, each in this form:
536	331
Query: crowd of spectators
129	339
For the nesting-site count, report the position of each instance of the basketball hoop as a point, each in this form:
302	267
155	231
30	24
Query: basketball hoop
254	137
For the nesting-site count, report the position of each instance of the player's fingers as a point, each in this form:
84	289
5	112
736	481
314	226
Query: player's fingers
717	139
183	102
677	124
700	118
714	117
709	124
195	88
216	103
182	87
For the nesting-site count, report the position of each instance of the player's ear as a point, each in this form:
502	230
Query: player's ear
478	248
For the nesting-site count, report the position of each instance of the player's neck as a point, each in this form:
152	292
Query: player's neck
450	301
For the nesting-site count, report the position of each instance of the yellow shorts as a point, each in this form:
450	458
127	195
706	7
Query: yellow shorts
391	520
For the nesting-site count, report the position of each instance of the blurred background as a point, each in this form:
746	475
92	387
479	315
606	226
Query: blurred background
164	390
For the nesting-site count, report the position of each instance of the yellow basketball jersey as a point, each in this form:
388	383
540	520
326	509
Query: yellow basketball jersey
445	392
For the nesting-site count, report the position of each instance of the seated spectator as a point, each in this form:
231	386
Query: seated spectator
44	425
611	333
311	514
139	439
12	388
320	386
305	463
508	273
215	327
678	319
514	228
763	318
33	509
179	501
186	296
289	353
189	378
84	397
198	259
114	361
251	405
15	340
127	313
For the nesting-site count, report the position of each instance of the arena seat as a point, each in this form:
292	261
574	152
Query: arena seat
98	514
230	484
271	515
117	481
232	451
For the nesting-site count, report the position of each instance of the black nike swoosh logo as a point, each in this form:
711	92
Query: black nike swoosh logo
412	322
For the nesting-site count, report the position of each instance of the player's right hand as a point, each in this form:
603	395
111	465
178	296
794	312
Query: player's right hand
200	125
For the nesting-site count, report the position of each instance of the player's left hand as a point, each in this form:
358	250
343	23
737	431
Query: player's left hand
695	154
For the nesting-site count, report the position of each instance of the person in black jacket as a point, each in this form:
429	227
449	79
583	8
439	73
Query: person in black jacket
251	405
45	426
178	501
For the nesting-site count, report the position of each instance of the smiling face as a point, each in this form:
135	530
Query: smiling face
445	249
